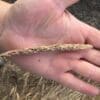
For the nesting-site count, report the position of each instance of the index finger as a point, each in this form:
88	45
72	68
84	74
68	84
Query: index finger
92	35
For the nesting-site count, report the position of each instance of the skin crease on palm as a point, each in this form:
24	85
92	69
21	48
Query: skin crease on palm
31	23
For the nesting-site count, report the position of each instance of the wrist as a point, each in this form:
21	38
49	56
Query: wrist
4	9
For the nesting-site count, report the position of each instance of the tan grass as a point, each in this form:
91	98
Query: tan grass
15	84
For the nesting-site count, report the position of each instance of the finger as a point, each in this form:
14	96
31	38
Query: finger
86	69
90	34
74	83
92	56
65	3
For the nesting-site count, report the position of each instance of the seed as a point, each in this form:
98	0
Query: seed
2	62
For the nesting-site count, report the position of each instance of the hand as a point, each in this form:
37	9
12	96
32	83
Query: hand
42	22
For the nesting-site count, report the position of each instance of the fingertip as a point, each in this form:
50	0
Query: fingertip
96	92
92	90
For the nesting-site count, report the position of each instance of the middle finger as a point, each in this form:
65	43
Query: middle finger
92	56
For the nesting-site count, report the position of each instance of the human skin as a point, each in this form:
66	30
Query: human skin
32	23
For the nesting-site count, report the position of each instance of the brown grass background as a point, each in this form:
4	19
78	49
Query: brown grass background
16	84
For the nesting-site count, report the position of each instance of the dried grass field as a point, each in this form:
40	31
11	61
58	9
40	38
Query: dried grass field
16	84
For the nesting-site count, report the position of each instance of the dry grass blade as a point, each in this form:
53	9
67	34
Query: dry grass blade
4	57
55	47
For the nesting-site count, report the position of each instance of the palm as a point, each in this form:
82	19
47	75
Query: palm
43	25
48	24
